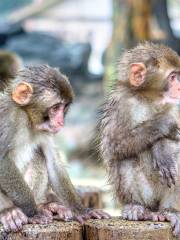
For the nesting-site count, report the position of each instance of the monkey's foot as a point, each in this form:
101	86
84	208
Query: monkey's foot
13	219
42	217
56	208
91	213
172	217
135	212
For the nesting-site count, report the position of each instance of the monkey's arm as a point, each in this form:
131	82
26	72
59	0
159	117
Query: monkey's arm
14	186
60	181
11	180
165	154
127	142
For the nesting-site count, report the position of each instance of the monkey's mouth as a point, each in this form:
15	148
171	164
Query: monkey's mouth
48	127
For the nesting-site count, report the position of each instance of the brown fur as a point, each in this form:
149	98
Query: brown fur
135	130
10	64
31	170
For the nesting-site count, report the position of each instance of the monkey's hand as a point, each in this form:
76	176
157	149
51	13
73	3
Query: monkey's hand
88	213
13	219
42	217
164	158
56	208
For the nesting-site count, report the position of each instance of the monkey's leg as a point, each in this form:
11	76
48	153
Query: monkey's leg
47	201
11	217
133	188
63	187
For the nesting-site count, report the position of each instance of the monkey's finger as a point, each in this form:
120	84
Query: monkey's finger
173	174
161	217
12	224
17	220
18	223
162	177
47	213
154	217
61	215
134	215
127	214
95	215
155	164
39	220
103	214
124	214
147	215
22	216
53	207
168	177
80	219
67	215
5	224
176	230
171	218
86	216
45	220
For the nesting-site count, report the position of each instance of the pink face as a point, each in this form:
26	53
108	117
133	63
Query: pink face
172	95
55	120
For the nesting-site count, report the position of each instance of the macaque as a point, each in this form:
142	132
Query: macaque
34	184
139	134
10	64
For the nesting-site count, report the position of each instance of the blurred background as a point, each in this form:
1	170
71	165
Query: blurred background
84	39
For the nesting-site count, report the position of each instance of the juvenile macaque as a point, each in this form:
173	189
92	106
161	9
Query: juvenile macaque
33	182
10	64
140	134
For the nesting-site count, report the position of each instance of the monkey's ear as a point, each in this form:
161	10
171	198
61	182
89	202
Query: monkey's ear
22	93
137	74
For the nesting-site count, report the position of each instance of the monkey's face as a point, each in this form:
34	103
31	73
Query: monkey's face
46	99
163	84
172	94
53	119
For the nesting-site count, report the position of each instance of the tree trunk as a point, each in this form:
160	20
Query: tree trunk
91	196
131	24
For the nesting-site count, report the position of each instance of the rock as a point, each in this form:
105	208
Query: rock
36	47
9	30
56	230
117	229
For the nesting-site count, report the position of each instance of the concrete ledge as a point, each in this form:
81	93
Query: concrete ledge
117	229
112	229
54	231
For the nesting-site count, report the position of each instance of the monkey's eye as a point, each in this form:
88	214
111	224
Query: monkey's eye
172	76
55	108
46	118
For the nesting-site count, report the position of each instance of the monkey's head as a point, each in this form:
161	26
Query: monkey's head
151	70
45	94
10	63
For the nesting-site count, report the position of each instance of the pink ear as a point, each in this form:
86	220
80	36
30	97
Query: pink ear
137	74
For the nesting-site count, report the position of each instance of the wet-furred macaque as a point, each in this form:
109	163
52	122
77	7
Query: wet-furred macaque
139	132
34	184
10	64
